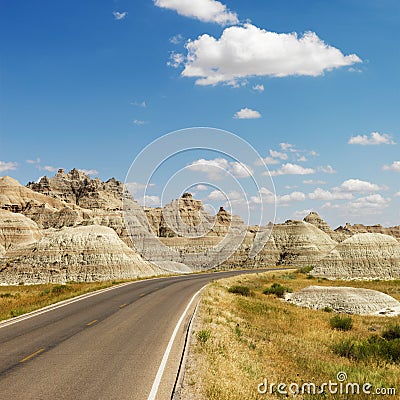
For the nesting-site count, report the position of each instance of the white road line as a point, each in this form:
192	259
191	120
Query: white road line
160	372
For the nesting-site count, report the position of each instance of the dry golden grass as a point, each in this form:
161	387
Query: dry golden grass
238	341
18	300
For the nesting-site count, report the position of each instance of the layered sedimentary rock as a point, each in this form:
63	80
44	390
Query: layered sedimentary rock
16	230
314	219
81	254
46	211
295	243
346	300
362	256
349	230
76	187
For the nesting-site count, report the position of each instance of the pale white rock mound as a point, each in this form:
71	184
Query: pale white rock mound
347	300
362	256
295	243
81	254
17	230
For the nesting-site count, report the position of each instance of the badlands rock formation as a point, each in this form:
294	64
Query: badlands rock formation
346	300
350	230
82	254
314	219
295	243
16	230
181	236
362	256
78	188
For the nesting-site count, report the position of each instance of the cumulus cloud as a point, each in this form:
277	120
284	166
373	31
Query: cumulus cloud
139	122
368	205
175	60
292	197
357	186
201	187
176	39
277	154
299	215
267	161
247	113
286	146
292	169
266	196
139	104
47	168
395	166
375	138
119	15
327	170
90	171
245	51
326	195
258	88
8	166
204	10
219	167
313	182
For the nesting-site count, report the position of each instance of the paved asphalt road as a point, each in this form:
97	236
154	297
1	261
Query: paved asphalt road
106	346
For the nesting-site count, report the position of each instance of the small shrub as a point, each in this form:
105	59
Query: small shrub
58	289
6	295
328	309
277	289
392	332
203	335
305	269
341	323
242	290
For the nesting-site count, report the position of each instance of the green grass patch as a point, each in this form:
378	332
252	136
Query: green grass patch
238	289
341	323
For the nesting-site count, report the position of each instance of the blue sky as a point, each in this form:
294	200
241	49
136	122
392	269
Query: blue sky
89	84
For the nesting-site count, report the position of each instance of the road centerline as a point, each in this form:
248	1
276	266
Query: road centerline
32	355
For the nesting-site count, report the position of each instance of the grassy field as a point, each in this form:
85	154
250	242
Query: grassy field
241	338
18	300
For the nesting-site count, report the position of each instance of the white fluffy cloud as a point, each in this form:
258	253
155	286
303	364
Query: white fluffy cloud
244	51
204	10
327	170
7	166
345	191
175	60
375	138
357	186
313	182
277	154
258	88
139	122
326	195
291	197
395	166
90	171
176	39
119	15
219	167
247	113
373	204
292	169
265	196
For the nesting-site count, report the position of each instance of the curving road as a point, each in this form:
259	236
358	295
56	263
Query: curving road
105	345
